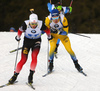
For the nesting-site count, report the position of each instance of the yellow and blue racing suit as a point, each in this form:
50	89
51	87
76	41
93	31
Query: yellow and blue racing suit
59	31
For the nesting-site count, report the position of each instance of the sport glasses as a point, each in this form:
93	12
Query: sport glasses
55	18
34	24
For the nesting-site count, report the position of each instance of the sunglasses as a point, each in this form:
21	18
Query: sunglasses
55	18
34	24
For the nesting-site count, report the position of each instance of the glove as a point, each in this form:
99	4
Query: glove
70	9
17	38
50	38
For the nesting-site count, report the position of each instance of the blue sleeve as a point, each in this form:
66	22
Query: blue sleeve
49	5
67	10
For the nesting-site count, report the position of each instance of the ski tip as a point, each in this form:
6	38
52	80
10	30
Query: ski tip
7	84
30	85
83	73
55	56
44	75
11	51
49	72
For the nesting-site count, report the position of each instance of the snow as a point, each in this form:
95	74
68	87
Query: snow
65	77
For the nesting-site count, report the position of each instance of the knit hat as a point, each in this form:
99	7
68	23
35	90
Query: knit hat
54	12
12	28
33	18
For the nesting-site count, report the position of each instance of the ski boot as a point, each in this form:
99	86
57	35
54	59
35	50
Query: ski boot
30	77
50	67
14	77
77	66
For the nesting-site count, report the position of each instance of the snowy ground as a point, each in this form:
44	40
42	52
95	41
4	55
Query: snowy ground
65	77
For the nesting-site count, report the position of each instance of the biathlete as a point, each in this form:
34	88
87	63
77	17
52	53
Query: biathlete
62	10
32	40
58	25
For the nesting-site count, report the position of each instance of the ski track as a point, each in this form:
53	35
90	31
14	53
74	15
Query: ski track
65	77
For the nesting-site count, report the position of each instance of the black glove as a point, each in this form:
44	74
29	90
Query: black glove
17	38
50	38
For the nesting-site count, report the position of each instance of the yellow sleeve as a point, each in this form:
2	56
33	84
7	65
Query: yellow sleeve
47	22
65	25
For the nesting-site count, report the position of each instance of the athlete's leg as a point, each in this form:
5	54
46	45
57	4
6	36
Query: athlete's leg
51	53
57	44
52	48
66	42
24	56
35	51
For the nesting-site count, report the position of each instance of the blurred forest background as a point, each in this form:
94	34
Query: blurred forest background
85	16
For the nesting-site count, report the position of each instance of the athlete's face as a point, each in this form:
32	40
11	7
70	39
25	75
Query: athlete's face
55	19
33	24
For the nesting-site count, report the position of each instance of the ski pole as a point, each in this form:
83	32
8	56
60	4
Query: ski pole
50	1
81	35
16	55
61	2
47	56
71	3
15	50
77	33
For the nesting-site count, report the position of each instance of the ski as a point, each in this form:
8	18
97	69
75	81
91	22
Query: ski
49	72
30	85
7	84
83	73
15	49
55	56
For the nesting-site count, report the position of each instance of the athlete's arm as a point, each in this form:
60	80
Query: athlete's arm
65	25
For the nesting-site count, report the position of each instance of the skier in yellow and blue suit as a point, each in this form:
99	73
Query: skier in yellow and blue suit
58	25
62	10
